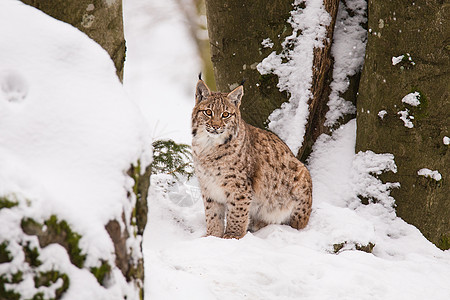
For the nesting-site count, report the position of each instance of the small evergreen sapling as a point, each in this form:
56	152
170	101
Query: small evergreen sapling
172	158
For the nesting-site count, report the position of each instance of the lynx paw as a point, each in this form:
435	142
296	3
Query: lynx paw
216	234
232	236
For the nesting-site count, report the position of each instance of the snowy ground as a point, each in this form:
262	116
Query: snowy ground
277	262
55	150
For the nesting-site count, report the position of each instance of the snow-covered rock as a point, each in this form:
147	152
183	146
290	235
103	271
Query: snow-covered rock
68	136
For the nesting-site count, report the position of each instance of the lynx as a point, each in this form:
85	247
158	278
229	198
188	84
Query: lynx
247	175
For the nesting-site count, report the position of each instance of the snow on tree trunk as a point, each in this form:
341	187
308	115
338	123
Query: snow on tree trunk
74	169
322	75
101	20
403	107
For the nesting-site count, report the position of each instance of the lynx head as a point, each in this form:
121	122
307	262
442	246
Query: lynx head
216	115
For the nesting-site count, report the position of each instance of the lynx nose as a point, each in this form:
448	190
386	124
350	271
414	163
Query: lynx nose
215	126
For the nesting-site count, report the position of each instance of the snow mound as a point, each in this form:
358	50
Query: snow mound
67	137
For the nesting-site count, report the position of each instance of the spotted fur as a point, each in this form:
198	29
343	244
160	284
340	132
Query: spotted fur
247	175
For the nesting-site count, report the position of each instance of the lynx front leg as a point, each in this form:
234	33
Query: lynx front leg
237	217
215	217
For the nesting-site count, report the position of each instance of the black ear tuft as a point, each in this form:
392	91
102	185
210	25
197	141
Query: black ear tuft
200	76
243	81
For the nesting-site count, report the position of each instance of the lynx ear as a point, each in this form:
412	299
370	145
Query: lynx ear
235	95
201	92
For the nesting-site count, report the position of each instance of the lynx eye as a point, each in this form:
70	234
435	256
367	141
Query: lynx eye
226	115
208	112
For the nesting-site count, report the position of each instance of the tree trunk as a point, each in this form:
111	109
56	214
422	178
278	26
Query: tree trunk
420	32
236	30
322	77
101	20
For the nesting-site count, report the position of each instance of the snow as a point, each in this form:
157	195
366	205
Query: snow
397	59
404	57
382	113
278	262
348	49
68	134
406	118
366	167
429	173
295	74
446	140
267	43
412	99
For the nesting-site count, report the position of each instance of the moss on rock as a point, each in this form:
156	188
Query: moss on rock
140	189
58	232
5	255
7	203
51	277
101	272
31	255
6	294
444	242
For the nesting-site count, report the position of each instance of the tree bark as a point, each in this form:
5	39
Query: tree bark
101	20
322	77
420	32
236	30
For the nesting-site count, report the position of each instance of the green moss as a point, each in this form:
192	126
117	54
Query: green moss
133	221
72	239
136	271
49	278
31	255
58	232
17	277
101	272
140	189
38	296
135	172
444	242
7	203
5	255
8	294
